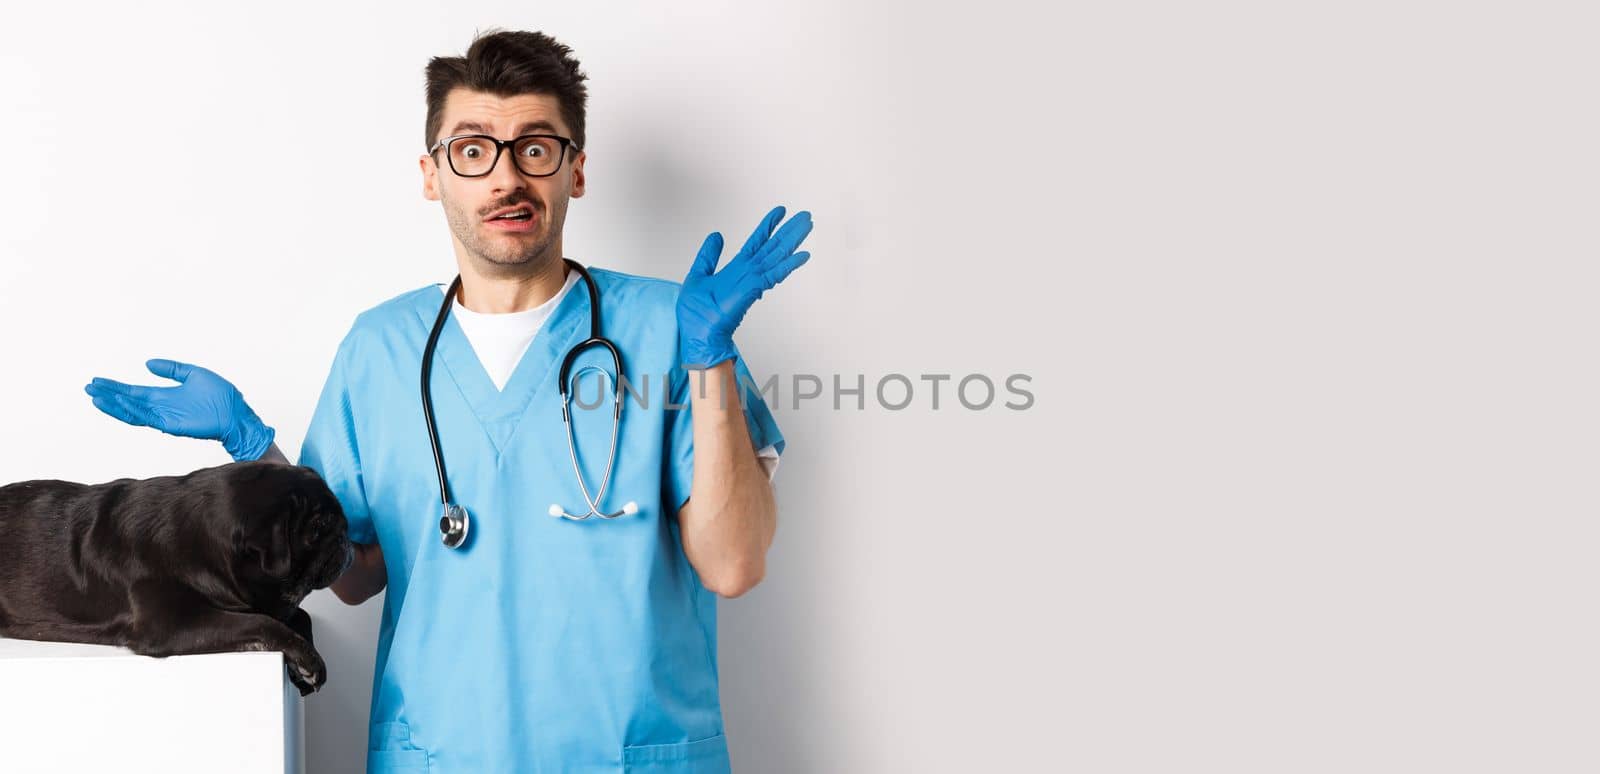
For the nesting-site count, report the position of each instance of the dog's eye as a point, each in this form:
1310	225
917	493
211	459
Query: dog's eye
317	526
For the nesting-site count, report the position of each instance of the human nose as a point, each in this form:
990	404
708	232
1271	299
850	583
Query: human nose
505	176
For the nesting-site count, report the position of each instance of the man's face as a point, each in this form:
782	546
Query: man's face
503	246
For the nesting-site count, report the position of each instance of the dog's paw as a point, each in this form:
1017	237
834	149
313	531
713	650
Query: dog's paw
308	673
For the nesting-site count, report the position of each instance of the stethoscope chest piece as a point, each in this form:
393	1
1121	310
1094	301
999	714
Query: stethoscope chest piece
453	526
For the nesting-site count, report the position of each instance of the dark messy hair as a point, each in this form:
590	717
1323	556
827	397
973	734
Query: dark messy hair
508	63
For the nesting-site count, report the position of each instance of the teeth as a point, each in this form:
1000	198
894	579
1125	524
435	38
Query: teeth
518	215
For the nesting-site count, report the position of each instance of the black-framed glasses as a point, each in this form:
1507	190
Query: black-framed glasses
474	155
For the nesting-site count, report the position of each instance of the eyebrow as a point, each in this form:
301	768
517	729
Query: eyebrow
474	126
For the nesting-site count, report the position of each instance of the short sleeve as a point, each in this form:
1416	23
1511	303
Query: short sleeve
330	449
679	456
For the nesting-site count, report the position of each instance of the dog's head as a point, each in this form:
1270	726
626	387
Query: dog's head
291	536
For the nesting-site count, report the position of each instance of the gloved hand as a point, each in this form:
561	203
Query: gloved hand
712	303
204	405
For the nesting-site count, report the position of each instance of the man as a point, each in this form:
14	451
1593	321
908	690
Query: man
539	643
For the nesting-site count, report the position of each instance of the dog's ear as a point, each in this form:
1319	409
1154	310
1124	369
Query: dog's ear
269	547
268	542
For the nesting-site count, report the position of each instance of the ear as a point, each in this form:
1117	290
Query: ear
430	178
270	547
271	554
577	174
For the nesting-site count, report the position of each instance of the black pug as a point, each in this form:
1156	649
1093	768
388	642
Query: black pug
216	560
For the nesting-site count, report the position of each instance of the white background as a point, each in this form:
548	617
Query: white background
1307	293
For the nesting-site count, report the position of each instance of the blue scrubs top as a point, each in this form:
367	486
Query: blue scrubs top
542	644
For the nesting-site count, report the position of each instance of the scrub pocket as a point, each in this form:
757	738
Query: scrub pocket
704	756
395	754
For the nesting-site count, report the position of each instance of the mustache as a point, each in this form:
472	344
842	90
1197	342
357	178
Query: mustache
512	202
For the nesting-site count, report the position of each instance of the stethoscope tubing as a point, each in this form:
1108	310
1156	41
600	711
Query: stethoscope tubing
455	522
572	447
427	392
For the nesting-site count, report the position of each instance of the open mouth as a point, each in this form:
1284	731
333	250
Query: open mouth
520	218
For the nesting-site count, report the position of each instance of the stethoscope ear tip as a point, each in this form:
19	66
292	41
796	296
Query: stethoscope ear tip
631	508
555	510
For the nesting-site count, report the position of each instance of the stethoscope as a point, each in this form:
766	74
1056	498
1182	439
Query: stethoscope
455	523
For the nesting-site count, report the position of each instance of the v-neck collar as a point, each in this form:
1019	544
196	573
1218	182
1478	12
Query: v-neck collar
499	411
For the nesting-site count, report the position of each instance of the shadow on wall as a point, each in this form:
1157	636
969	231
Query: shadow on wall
657	195
767	648
336	716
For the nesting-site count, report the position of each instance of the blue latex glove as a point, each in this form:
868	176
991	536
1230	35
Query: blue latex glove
712	303
204	405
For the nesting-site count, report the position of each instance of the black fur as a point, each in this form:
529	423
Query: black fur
216	560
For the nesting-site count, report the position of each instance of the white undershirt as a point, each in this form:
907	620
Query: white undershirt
500	341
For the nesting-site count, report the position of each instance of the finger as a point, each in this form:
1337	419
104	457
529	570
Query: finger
170	369
780	269
710	252
112	406
762	233
786	240
99	386
127	410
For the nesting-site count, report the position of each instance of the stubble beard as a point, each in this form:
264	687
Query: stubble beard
507	254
